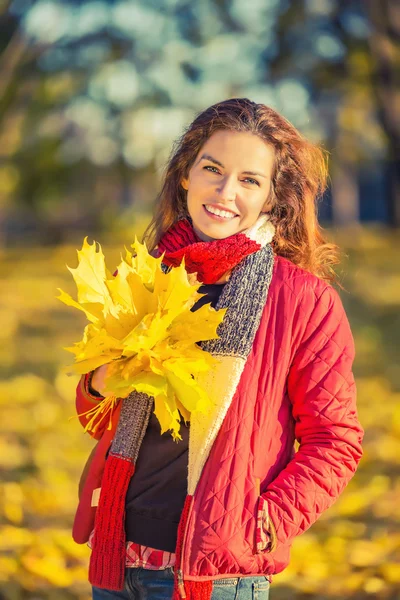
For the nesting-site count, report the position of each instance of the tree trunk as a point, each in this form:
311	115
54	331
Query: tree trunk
345	195
385	50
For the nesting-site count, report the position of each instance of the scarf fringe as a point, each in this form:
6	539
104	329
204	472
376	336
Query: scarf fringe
107	561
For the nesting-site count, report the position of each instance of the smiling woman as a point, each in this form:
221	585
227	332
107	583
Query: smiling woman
214	516
229	184
240	156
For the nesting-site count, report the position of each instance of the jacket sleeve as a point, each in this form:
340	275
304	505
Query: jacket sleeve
322	391
86	401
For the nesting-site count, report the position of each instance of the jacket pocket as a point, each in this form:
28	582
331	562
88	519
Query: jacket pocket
266	540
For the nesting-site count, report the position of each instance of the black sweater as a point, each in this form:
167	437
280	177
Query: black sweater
157	491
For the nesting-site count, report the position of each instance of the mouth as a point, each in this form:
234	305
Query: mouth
218	213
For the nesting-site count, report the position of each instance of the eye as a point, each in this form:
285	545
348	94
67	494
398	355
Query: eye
211	167
252	181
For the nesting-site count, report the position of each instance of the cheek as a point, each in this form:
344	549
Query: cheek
251	205
198	187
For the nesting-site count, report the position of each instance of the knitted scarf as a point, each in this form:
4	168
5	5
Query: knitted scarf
251	259
210	260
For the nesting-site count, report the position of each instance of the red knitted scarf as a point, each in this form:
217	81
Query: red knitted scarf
210	260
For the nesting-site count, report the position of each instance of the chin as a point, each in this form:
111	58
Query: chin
209	231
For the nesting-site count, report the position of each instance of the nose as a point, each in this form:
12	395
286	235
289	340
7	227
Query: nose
227	189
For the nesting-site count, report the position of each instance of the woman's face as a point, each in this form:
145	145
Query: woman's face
229	184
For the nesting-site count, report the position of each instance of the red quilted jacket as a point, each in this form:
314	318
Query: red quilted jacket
297	384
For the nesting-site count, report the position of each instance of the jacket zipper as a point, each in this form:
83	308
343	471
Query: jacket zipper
179	572
181	585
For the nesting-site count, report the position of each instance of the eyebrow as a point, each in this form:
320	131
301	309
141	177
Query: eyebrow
217	162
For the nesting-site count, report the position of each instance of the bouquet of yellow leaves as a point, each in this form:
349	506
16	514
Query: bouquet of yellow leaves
141	323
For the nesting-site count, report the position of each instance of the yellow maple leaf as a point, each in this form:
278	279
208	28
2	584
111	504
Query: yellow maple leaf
190	327
144	263
141	324
90	276
93	311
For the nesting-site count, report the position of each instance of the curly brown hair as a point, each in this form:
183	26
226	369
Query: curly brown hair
298	181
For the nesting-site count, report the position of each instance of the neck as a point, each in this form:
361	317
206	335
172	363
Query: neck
261	231
202	236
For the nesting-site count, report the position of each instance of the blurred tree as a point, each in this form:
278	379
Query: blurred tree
385	50
94	93
327	45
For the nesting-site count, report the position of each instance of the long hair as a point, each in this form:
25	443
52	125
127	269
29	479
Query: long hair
298	180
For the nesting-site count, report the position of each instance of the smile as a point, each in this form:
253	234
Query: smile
219	213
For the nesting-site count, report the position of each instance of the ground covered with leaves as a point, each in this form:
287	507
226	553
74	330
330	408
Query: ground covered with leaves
353	551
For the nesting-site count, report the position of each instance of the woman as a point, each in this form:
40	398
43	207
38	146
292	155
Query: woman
214	516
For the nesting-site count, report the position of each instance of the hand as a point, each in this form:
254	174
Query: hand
98	380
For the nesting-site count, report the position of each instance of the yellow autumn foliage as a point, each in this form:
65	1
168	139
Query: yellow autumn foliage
140	321
353	549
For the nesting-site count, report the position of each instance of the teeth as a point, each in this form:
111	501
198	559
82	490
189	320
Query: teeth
220	213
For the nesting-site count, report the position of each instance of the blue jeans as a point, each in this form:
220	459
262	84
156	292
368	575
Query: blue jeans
141	584
144	584
241	588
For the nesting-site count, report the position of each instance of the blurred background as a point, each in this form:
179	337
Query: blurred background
92	97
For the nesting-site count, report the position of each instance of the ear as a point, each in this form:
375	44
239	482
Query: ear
269	203
185	183
267	207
